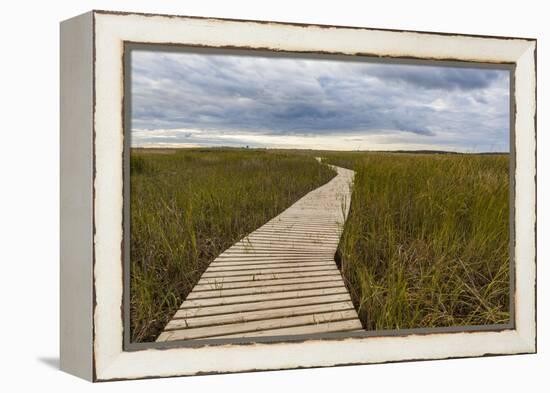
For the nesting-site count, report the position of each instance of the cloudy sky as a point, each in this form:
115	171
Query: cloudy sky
195	99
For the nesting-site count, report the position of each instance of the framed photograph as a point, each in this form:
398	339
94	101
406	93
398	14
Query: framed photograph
245	195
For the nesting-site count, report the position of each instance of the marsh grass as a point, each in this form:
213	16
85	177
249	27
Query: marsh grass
187	206
426	243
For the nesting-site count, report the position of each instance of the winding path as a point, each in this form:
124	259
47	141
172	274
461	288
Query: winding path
279	280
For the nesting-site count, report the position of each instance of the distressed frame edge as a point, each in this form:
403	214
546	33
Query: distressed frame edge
526	341
303	24
525	223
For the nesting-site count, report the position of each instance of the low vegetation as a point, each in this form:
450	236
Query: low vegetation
187	206
426	243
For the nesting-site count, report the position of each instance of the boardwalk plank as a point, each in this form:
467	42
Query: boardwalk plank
255	326
263	289
276	254
253	272
267	276
328	327
262	297
238	317
261	283
256	306
267	265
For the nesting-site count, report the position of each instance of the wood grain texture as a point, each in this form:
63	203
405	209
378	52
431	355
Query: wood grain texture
279	280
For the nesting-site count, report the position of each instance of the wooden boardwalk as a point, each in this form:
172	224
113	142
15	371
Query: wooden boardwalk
279	280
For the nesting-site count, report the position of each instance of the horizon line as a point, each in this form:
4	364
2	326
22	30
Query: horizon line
160	147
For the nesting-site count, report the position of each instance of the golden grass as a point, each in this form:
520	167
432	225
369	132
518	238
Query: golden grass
426	243
190	205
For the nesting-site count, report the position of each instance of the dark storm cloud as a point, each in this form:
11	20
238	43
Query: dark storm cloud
230	97
428	77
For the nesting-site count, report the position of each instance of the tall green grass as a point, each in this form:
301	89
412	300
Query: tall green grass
426	243
187	206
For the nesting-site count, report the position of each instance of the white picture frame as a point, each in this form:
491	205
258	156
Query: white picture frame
92	194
